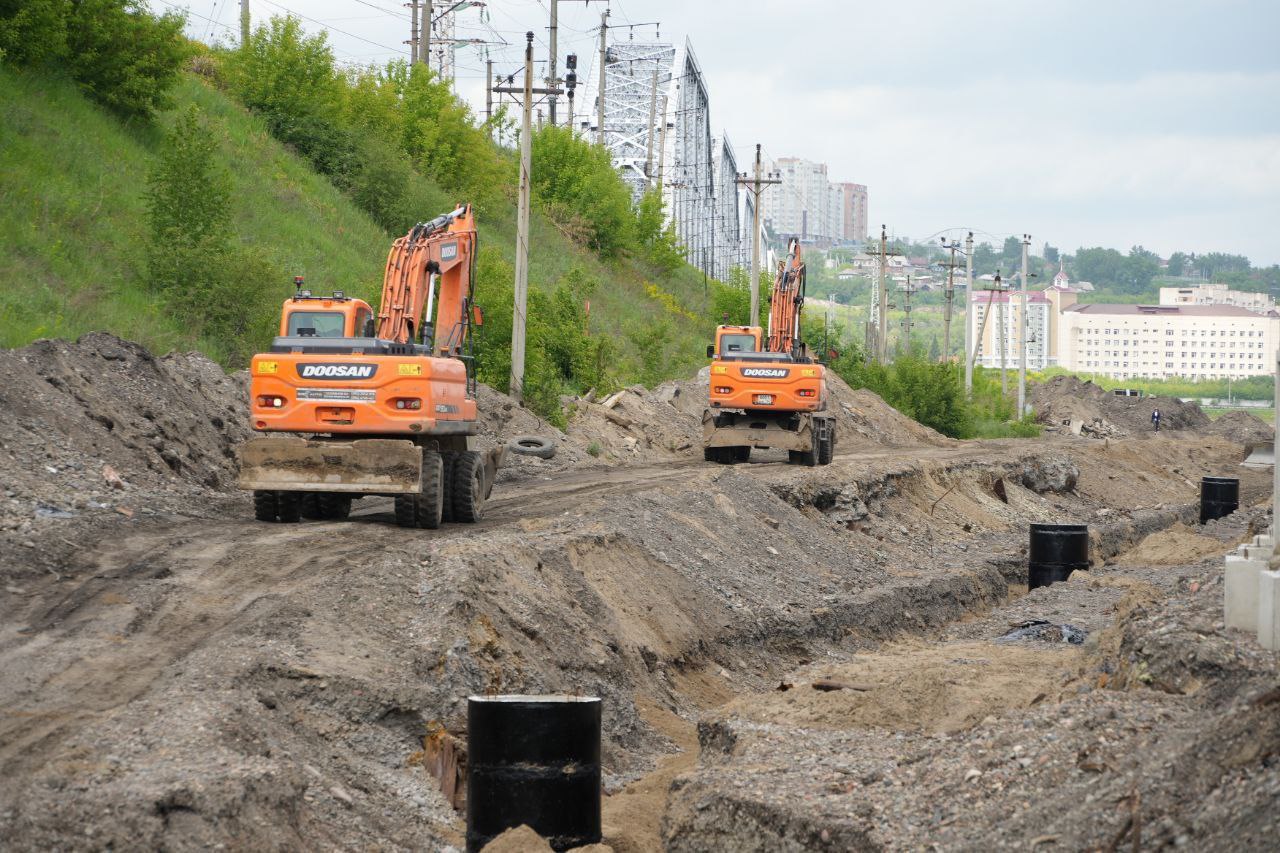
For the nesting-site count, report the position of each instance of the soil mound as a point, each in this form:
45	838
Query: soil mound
1242	428
1175	546
666	423
88	420
1069	404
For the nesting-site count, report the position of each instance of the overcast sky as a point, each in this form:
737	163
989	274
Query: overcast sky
1080	121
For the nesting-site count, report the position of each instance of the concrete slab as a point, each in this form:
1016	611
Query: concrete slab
1269	610
1240	592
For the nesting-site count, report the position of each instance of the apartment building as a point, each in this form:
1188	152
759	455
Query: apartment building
808	205
1160	341
1216	294
853	211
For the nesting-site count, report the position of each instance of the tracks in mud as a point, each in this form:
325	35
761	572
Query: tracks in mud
382	621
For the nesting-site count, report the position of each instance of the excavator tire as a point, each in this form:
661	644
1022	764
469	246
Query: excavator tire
431	502
309	506
264	505
289	507
332	506
468	488
407	510
450	466
827	449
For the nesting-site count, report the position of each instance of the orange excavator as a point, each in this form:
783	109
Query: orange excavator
350	406
766	390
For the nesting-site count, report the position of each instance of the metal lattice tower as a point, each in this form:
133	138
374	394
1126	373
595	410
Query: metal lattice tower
628	79
726	232
691	174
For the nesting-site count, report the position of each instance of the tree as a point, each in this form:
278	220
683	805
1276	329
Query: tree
577	182
1177	263
1215	263
1051	253
33	32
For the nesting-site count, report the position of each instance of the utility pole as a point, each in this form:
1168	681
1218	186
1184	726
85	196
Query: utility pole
982	330
950	295
880	296
488	92
662	143
653	108
906	322
413	32
604	29
424	37
522	230
244	24
968	309
552	80
1004	330
1022	332
756	186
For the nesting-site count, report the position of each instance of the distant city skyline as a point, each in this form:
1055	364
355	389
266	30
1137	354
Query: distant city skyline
1083	123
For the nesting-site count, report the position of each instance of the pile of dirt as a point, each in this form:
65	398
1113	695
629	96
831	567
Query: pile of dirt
1241	427
666	423
1069	404
501	418
1176	546
102	424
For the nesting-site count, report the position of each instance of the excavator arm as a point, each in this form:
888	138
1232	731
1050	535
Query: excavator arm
786	303
426	289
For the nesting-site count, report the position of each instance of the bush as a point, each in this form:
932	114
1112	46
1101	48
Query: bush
220	290
577	179
661	247
289	78
925	390
121	54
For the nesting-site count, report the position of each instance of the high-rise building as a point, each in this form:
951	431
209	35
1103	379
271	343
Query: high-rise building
801	206
853	211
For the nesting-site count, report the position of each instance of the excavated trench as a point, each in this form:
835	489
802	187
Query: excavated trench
299	694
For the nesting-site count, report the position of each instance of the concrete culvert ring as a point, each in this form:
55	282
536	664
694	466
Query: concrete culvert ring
532	445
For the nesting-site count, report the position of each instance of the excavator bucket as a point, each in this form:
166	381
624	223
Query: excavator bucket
294	464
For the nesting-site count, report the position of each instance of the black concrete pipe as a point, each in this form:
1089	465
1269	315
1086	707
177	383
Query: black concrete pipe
533	760
1219	497
1056	551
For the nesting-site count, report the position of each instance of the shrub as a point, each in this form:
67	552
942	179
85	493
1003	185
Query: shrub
576	178
121	54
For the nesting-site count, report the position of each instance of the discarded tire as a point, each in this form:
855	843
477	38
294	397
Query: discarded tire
533	760
1056	551
1219	497
532	445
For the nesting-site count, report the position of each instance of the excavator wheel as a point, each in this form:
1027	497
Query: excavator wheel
333	506
264	505
309	506
289	506
450	458
407	510
430	503
827	449
468	487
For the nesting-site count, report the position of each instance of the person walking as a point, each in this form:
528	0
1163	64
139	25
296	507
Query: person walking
1155	419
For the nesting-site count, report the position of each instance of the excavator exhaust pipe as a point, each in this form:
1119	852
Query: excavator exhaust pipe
293	464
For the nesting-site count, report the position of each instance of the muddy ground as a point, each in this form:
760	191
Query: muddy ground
181	676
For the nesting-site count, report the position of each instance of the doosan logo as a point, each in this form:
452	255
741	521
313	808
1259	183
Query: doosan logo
764	372
337	371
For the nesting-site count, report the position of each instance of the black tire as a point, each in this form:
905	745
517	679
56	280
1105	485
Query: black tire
407	510
334	507
709	454
450	458
468	488
289	506
430	504
309	506
827	449
532	445
741	454
264	506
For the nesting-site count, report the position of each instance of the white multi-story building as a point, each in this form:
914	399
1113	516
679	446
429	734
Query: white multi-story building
1194	341
1160	341
801	205
1216	294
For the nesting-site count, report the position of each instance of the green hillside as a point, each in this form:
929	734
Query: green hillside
73	224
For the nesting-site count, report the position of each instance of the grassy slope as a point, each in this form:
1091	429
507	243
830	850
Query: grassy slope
73	227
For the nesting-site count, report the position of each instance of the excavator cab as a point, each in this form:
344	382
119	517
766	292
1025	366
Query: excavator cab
335	316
